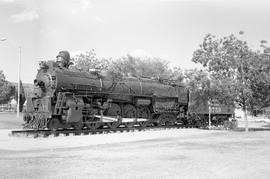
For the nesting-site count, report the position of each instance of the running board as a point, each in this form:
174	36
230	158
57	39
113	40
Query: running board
112	119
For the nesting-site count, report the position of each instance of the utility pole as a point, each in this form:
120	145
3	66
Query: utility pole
209	116
19	77
19	82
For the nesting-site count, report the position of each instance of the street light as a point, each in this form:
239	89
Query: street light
19	78
19	82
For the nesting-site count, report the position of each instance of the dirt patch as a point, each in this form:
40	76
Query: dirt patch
177	153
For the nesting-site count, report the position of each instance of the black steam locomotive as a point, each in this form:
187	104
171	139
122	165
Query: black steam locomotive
70	99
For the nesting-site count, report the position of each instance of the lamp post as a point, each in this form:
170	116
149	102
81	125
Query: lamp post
19	78
19	82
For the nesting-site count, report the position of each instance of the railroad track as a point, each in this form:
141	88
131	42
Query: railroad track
66	132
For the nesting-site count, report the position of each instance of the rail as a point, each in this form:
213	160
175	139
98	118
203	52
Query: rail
67	132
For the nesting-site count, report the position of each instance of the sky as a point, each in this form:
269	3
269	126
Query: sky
170	29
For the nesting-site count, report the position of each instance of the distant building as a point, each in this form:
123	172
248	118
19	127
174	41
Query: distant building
11	106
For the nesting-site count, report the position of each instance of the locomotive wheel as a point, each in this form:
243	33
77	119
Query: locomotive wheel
129	124
143	112
54	124
93	125
143	124
114	110
113	125
166	119
78	125
129	111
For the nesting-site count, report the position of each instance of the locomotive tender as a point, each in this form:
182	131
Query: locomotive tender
218	112
65	98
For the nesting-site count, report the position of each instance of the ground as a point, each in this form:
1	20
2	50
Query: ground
174	153
9	120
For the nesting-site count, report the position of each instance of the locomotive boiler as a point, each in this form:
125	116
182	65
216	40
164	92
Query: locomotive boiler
64	98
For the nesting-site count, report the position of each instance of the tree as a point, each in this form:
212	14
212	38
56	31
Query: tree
198	83
6	90
177	74
229	59
260	77
89	60
143	67
153	67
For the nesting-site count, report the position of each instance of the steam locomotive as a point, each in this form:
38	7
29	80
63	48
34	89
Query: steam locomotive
65	99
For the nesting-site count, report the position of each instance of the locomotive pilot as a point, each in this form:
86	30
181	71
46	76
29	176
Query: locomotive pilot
63	59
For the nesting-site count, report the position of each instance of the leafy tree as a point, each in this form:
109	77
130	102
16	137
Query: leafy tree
6	90
260	77
142	67
228	59
207	88
89	60
198	83
177	74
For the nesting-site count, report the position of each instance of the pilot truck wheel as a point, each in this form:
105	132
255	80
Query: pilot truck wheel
54	124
